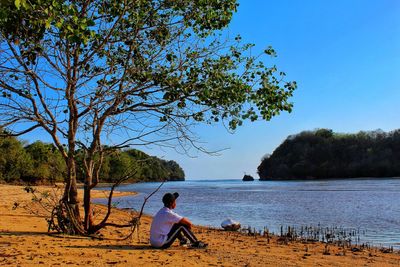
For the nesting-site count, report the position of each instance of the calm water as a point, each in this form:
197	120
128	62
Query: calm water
366	204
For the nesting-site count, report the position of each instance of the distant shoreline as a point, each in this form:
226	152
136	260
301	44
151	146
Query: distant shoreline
327	179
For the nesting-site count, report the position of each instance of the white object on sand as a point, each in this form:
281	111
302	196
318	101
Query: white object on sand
230	225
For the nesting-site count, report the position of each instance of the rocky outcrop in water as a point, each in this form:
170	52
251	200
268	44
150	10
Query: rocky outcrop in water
247	178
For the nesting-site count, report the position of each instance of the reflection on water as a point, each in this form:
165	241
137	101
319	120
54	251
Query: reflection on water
367	204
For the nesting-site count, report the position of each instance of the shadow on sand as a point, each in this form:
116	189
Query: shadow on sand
23	233
118	247
51	234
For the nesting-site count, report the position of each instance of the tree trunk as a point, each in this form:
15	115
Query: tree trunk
71	198
88	222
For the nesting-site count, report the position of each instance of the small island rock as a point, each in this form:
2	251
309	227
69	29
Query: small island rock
247	178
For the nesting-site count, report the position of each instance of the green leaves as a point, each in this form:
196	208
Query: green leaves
270	51
18	3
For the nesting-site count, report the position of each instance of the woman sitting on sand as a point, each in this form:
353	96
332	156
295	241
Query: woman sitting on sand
167	226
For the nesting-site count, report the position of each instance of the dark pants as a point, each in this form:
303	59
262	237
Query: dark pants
179	230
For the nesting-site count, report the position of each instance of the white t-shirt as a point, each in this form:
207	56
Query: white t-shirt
161	225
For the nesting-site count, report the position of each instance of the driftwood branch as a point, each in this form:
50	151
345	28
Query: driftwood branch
104	223
136	220
128	174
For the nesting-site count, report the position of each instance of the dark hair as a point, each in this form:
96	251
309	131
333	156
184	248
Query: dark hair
169	198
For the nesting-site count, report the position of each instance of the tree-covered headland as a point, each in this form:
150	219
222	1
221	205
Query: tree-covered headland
324	154
42	163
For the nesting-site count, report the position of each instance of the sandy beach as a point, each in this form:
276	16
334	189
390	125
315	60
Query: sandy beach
24	241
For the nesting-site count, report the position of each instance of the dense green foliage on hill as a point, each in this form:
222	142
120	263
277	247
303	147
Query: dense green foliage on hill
42	163
142	167
323	154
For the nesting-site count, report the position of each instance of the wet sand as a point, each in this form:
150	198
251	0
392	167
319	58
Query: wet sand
24	241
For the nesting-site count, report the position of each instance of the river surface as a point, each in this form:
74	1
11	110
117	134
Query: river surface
371	206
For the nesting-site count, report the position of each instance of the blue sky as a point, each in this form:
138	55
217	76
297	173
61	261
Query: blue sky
345	57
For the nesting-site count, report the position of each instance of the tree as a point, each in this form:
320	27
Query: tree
119	163
176	172
145	71
14	161
47	162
